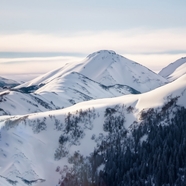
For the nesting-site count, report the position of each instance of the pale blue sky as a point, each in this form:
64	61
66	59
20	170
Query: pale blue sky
152	33
71	16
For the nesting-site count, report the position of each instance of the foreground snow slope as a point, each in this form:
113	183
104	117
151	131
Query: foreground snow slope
174	70
108	68
29	144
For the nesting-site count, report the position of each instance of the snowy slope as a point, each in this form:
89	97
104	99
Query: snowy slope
112	68
174	70
14	102
8	83
29	144
61	92
73	88
108	68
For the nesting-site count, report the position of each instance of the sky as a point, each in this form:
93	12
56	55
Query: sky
33	34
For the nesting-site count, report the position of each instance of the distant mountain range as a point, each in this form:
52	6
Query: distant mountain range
174	70
7	83
104	121
107	68
103	74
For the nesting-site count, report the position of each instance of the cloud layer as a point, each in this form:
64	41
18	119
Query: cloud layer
129	41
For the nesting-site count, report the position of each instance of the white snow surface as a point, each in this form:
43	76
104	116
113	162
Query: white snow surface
7	82
174	70
13	102
30	155
108	68
73	88
61	92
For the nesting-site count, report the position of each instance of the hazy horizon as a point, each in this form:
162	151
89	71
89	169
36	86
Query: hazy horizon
24	66
152	33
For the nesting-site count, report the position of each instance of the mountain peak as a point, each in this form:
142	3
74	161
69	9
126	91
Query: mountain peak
107	68
101	52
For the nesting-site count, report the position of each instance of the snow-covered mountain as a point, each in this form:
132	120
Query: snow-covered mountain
174	70
103	74
14	102
7	83
73	88
114	68
108	68
42	148
110	135
61	92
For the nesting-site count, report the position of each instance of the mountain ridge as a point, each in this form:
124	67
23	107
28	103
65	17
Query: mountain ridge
7	83
94	140
174	70
90	120
61	92
108	68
